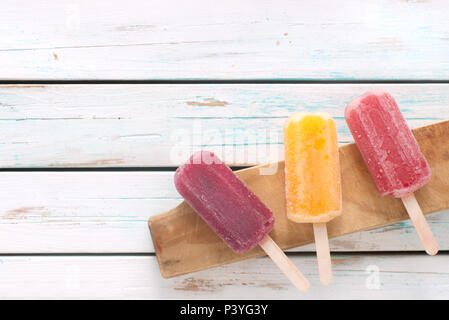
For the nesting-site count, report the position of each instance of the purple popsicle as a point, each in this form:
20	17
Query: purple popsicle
232	210
223	201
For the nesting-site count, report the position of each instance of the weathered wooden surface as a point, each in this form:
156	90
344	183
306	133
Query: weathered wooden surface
356	276
66	126
161	125
107	212
142	39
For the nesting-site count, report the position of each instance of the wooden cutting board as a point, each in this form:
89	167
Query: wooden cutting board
184	243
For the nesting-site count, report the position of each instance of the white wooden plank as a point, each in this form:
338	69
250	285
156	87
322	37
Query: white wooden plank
107	212
357	276
286	39
161	125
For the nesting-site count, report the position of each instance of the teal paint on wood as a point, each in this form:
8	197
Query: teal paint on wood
317	40
146	125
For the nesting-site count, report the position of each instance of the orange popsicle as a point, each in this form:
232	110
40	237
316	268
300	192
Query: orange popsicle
312	178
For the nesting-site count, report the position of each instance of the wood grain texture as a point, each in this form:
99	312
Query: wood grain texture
56	126
107	212
153	39
184	242
356	276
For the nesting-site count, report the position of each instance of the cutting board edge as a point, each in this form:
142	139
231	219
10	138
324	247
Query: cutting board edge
262	254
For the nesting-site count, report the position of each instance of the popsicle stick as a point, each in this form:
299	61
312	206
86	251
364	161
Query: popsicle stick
323	253
420	223
284	263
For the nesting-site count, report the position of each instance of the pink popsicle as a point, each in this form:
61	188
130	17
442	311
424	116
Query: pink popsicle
231	209
387	145
223	201
391	154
